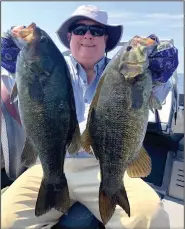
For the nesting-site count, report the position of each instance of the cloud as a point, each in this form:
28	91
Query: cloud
135	15
164	16
137	23
123	15
176	26
132	19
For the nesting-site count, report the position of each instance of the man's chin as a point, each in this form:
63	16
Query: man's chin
88	56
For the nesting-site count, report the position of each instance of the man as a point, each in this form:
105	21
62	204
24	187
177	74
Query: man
89	37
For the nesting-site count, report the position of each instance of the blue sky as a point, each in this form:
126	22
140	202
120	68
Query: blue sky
165	19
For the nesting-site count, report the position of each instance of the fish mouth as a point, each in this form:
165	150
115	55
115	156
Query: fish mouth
142	41
27	34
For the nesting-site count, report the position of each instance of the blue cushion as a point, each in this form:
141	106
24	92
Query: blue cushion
79	217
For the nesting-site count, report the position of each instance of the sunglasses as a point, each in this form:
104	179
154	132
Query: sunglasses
81	29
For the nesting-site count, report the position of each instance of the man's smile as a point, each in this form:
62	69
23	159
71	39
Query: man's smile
87	46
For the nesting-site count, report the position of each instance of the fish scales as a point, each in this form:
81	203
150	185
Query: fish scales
47	110
117	123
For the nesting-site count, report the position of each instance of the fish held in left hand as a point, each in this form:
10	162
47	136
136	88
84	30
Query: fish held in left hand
117	123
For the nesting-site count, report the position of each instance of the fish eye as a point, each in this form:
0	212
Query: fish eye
129	48
43	39
138	77
47	73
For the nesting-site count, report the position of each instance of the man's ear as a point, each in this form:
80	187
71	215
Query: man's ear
106	39
69	36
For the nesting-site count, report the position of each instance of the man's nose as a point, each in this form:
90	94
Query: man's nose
88	35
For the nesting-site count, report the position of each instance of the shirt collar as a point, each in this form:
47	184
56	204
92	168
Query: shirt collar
99	65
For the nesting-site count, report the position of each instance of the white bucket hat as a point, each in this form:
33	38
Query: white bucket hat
114	32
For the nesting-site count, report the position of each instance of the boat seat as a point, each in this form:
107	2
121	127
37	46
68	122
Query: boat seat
175	213
176	186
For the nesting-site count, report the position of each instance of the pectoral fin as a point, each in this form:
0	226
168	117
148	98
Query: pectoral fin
86	138
86	141
75	144
35	90
137	96
14	94
154	103
96	98
141	167
29	155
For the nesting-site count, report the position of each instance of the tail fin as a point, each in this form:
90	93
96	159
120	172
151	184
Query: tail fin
75	145
107	204
52	196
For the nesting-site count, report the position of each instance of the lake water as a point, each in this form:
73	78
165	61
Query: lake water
180	83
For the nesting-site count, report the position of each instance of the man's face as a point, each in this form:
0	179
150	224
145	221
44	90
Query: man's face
86	48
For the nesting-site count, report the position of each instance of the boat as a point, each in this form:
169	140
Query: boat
164	142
